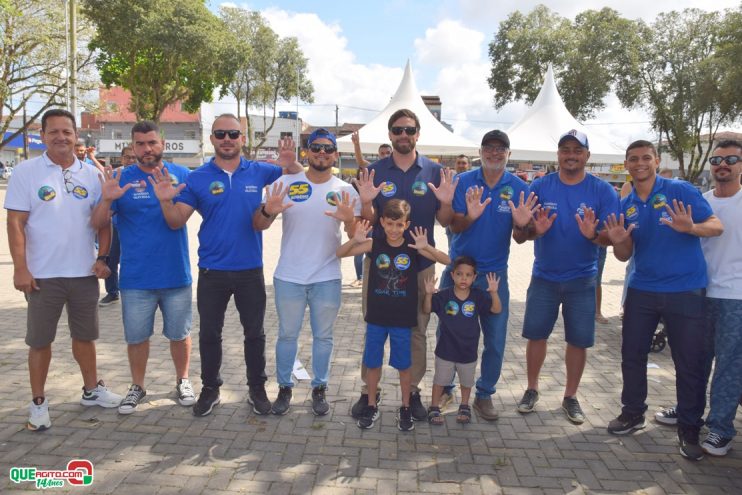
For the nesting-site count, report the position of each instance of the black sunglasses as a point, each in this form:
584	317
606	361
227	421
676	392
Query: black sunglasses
410	131
327	148
220	134
68	184
730	160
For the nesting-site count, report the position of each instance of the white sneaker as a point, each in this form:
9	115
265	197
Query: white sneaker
38	417
100	396
184	389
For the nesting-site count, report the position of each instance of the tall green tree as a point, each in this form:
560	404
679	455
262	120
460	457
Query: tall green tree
679	80
270	70
585	54
33	62
161	51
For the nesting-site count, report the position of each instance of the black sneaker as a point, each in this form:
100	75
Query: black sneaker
668	416
132	399
282	404
716	445
571	406
625	424
528	402
418	411
404	419
259	400
688	440
369	416
357	410
108	299
207	399
320	407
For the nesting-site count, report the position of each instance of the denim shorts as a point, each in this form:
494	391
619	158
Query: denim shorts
577	299
400	354
138	307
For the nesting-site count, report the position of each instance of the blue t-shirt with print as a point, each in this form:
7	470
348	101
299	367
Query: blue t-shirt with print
666	260
487	240
412	186
459	337
153	256
563	253
227	202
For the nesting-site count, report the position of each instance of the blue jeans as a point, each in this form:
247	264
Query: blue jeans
494	331
358	265
725	320
292	299
138	308
114	256
684	314
577	299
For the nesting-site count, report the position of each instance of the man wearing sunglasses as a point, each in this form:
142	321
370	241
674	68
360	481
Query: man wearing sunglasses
484	220
429	189
313	206
662	222
226	191
129	196
52	243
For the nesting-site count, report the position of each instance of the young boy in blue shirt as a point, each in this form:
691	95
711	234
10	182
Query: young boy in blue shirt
458	308
391	299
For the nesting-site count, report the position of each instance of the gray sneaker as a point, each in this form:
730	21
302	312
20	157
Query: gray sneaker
320	407
485	409
282	404
133	397
527	403
184	389
571	406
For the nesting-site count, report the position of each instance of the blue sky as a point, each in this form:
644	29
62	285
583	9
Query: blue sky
357	52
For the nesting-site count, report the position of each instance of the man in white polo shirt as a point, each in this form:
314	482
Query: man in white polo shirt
50	200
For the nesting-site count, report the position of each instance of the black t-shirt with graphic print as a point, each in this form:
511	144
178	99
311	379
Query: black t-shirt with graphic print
460	328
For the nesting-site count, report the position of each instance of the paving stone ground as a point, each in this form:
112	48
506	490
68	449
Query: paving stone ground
163	449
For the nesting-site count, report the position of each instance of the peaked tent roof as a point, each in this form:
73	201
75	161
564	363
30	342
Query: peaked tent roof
536	134
434	139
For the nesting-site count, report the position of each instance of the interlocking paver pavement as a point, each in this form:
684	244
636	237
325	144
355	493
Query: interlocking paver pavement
163	449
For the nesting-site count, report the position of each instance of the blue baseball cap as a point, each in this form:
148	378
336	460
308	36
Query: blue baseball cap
321	133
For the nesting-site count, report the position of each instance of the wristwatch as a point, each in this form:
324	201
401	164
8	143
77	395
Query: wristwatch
104	258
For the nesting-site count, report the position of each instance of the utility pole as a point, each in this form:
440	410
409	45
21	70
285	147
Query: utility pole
72	60
337	125
25	130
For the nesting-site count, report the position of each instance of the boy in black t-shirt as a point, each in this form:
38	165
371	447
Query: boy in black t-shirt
391	299
458	309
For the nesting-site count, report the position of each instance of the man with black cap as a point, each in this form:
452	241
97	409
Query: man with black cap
485	216
565	229
313	205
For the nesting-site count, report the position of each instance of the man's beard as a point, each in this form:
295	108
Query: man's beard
154	161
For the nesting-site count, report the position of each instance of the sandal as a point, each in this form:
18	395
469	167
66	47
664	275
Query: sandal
434	416
464	414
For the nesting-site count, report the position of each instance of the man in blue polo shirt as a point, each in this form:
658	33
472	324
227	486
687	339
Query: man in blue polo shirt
145	286
565	267
662	222
429	189
483	221
227	191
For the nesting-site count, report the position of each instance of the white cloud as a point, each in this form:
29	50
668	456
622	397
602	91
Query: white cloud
449	43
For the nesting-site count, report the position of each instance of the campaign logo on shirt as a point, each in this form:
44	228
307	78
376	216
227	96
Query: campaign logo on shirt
139	186
299	191
402	261
658	201
250	188
216	188
330	198
506	193
551	205
468	308
419	188
581	209
174	181
452	308
389	189
382	262
632	212
47	193
80	192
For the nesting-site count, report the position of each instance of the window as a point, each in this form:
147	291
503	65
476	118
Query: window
287	135
189	134
259	135
118	135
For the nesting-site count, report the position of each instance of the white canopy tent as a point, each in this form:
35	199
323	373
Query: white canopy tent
434	139
535	136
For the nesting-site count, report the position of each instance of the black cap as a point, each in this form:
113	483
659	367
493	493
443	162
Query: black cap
497	136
